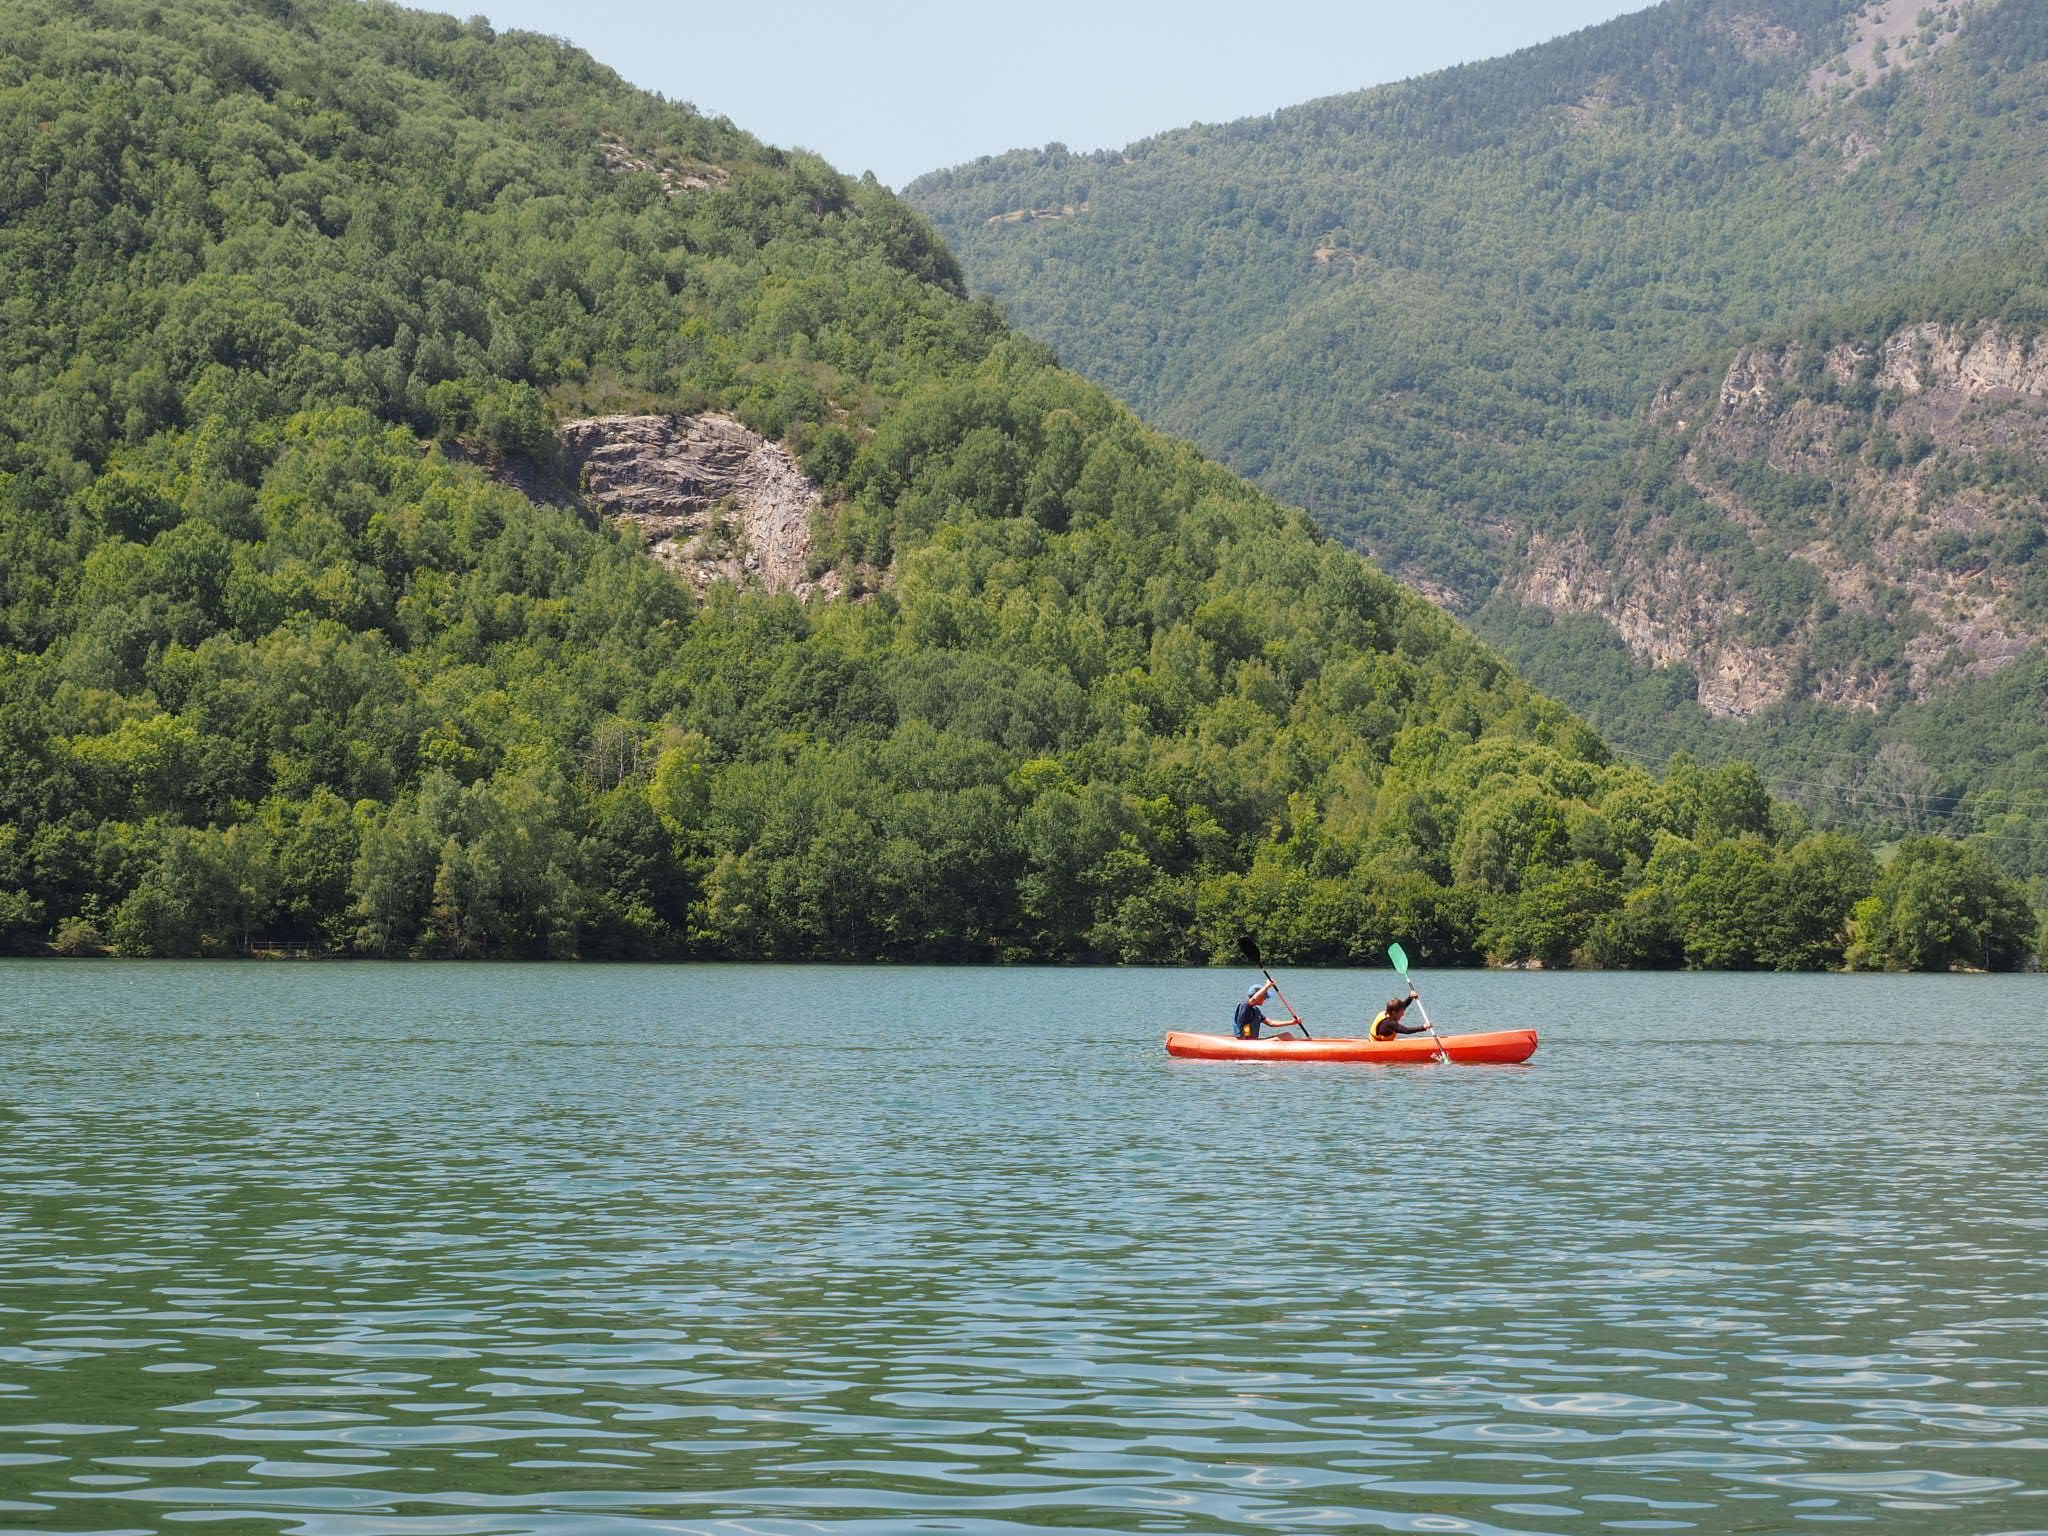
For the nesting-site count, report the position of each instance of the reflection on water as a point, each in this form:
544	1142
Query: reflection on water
451	1250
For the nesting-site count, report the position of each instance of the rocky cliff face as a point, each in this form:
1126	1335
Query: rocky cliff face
1899	484
717	501
1669	610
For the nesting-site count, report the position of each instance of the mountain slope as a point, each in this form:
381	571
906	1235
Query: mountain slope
1853	514
1822	490
317	629
1426	311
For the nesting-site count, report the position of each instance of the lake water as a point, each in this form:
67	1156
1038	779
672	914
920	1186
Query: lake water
755	1251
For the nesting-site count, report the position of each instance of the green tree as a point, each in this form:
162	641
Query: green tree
1819	882
1940	905
1727	906
21	923
1507	836
1549	919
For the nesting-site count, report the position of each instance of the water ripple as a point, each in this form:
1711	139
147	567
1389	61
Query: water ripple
369	1251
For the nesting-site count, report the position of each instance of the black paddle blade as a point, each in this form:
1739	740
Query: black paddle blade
1250	950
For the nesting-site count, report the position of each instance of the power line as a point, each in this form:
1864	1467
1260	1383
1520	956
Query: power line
1974	798
1962	820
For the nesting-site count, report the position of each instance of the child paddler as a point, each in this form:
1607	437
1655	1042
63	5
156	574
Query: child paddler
1250	1016
1388	1025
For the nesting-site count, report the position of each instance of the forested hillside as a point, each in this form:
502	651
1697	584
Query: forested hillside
296	296
1838	542
1479	323
1425	311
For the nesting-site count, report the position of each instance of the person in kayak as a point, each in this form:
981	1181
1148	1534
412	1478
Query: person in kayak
1250	1016
1388	1025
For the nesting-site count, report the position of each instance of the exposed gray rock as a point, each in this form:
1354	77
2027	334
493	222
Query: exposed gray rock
716	500
1887	37
675	179
1761	38
1960	392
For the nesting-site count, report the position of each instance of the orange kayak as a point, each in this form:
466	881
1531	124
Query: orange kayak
1500	1046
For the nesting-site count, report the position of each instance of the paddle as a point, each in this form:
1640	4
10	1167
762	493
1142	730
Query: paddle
1251	953
1399	956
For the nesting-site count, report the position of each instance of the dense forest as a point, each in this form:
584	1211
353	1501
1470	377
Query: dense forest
1969	758
1436	314
1427	310
295	294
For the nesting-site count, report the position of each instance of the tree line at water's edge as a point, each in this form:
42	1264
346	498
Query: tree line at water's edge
279	666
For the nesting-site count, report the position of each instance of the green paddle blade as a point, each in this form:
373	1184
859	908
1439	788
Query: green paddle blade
1399	956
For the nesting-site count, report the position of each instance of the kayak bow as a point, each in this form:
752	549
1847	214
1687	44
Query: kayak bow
1503	1045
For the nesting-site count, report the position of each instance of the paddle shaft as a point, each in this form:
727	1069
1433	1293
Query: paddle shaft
1442	1054
1399	956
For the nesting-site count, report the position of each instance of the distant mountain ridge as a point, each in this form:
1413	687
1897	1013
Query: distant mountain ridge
1830	555
1423	310
1549	330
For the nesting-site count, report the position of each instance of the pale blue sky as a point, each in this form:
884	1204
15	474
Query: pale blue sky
900	87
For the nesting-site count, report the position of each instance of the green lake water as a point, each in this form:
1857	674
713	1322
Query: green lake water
758	1251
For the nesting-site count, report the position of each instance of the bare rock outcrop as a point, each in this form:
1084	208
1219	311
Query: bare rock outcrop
1930	356
1761	38
676	178
1904	537
1036	215
716	500
1887	36
1667	607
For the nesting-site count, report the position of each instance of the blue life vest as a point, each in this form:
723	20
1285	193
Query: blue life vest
1248	1020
